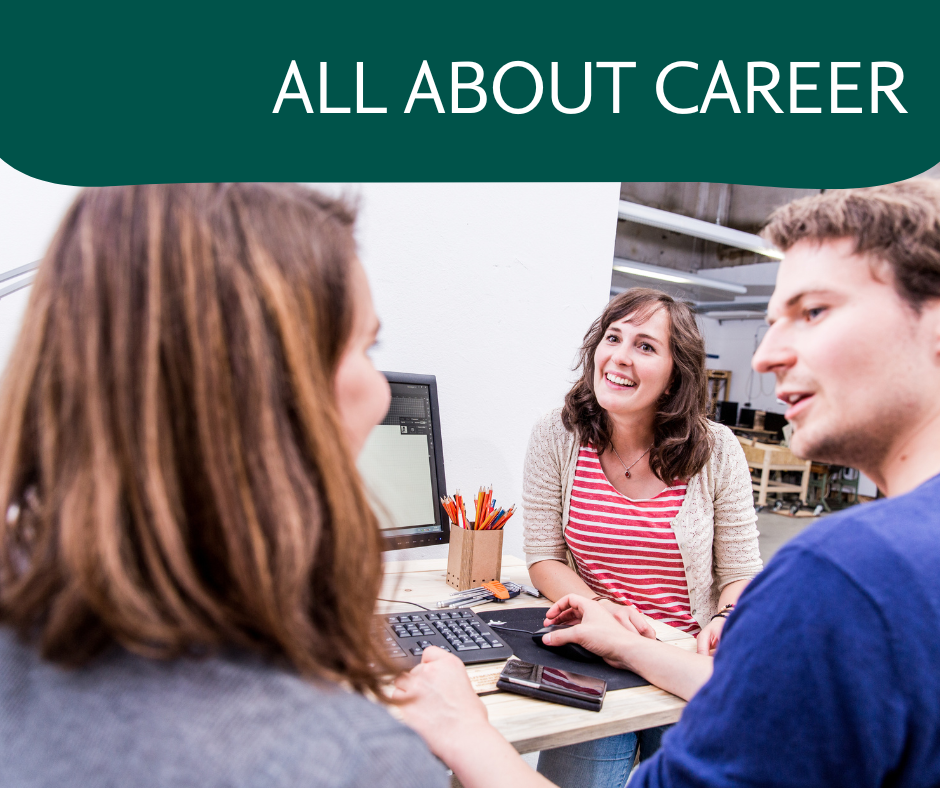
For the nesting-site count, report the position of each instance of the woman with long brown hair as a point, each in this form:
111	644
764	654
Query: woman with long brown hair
188	563
635	500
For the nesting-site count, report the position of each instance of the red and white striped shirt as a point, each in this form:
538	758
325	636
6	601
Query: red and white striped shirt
626	549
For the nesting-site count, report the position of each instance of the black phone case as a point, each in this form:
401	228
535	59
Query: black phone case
551	697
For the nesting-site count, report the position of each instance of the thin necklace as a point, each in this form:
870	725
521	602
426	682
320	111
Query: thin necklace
626	470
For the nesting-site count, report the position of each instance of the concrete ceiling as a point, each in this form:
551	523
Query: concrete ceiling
740	207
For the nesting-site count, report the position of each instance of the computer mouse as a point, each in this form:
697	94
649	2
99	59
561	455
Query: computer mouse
573	651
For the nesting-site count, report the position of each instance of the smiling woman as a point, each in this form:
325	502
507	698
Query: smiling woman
632	497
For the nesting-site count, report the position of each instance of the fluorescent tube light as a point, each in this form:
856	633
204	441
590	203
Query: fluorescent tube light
706	307
679	277
23	269
15	272
25	282
666	220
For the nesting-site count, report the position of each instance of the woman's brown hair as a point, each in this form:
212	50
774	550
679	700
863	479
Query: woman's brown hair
682	442
173	469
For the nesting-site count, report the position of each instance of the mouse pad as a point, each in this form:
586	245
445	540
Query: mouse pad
530	619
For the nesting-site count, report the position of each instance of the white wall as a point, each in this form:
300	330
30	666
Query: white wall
30	211
488	286
734	341
491	288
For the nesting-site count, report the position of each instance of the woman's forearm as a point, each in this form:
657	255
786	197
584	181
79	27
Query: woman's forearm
731	592
555	579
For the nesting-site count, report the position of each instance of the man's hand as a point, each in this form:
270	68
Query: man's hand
440	704
707	640
592	626
630	617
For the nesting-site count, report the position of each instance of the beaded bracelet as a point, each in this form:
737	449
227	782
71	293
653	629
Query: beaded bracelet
723	613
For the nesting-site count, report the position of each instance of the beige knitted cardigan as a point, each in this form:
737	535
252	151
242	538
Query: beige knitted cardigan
715	527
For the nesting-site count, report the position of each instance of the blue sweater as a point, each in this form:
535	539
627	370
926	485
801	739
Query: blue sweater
829	670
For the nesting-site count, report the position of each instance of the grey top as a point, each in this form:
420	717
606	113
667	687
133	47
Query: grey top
226	721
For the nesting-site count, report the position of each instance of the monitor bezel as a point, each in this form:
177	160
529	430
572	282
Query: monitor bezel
424	540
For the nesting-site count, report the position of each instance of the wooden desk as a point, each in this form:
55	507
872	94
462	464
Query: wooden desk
529	724
750	432
764	460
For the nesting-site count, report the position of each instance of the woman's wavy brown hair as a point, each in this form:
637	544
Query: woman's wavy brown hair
173	470
682	441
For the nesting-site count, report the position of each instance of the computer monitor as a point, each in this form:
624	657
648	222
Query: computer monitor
402	464
746	417
775	422
727	413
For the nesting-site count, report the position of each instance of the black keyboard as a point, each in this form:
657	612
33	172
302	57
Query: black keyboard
459	631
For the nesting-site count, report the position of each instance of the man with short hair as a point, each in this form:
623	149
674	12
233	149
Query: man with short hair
829	669
828	672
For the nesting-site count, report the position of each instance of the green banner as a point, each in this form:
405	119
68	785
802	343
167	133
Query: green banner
784	94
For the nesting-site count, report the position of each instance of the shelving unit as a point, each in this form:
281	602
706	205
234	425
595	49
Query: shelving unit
719	384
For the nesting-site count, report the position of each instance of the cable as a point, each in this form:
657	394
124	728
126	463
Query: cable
523	631
403	602
760	380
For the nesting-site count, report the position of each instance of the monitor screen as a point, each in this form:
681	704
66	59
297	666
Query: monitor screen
402	465
727	413
746	417
775	422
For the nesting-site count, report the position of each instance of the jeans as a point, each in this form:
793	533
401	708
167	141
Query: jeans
602	763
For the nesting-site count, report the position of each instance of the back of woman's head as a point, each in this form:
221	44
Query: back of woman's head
173	469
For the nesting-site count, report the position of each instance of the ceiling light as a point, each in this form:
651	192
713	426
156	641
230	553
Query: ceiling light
679	277
14	272
666	220
750	305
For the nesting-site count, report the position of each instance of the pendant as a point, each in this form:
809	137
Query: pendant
627	474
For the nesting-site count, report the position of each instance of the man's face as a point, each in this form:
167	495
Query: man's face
847	353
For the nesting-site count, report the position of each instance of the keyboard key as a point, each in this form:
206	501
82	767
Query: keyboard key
467	647
417	651
393	619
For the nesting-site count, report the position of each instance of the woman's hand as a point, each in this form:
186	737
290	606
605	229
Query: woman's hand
710	636
630	617
707	640
440	704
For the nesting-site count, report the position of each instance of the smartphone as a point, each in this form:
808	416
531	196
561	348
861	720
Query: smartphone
553	684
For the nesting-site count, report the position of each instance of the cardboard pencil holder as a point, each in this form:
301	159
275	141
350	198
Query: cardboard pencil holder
474	558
